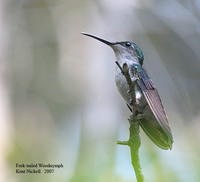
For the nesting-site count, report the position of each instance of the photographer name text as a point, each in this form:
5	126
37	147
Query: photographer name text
38	168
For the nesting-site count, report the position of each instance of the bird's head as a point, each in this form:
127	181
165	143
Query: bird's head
123	50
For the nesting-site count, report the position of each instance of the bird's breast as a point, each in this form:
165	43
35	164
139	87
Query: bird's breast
123	87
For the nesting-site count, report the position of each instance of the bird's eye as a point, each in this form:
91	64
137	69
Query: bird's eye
128	44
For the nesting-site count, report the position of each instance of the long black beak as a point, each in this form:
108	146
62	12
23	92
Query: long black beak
100	39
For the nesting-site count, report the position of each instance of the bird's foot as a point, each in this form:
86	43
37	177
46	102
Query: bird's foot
131	102
140	116
135	78
136	103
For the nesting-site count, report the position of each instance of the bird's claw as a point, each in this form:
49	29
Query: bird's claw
134	104
131	102
140	116
135	78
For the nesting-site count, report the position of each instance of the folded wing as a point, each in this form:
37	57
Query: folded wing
153	99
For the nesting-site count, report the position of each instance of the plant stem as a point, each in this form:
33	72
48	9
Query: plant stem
134	141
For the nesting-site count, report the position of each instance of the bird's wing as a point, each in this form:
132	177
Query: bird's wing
153	99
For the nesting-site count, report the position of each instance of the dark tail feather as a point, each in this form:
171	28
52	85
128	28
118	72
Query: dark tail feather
156	134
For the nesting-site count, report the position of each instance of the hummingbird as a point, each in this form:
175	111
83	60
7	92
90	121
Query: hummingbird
154	121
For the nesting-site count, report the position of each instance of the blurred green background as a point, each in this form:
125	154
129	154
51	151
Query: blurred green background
59	103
